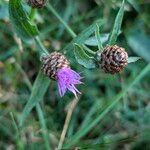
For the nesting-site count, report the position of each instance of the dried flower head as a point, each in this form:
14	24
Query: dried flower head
113	59
57	67
36	3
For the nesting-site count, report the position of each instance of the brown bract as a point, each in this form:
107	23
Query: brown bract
53	62
113	59
36	3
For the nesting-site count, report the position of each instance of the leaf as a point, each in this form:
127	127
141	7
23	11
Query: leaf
139	42
133	59
80	39
81	133
39	88
98	37
4	11
43	125
20	20
134	4
82	58
92	41
117	25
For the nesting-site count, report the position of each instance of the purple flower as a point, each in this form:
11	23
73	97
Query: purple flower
67	79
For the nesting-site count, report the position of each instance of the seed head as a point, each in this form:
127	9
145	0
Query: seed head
36	3
113	59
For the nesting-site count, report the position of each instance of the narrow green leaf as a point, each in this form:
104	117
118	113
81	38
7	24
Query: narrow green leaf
98	37
133	59
4	11
82	58
70	31
80	39
92	41
20	20
135	4
14	123
73	140
139	42
43	124
39	88
38	109
88	117
117	25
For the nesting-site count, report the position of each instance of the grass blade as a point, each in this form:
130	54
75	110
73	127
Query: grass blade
38	109
117	25
88	117
139	42
41	84
43	124
113	103
50	8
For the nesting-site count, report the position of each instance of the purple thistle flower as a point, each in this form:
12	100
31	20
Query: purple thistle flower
67	79
57	67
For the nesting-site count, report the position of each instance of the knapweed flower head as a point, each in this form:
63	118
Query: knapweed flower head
57	67
67	79
36	3
113	59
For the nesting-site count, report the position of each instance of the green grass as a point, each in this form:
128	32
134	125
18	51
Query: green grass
113	111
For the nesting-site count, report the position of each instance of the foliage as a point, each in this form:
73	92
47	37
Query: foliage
113	110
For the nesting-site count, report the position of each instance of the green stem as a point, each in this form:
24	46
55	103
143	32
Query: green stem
50	7
32	14
42	50
70	31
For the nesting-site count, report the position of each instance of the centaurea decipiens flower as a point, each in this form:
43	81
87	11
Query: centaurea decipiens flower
57	67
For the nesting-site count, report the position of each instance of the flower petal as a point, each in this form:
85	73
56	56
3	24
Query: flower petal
67	79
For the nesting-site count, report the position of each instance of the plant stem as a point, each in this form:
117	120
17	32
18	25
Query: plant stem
42	50
50	7
67	121
70	31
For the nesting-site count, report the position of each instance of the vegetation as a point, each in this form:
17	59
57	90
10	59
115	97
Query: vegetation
113	111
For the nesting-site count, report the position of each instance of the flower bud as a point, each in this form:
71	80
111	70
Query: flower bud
53	62
36	3
113	59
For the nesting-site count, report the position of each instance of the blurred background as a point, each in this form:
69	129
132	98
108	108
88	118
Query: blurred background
127	126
